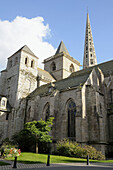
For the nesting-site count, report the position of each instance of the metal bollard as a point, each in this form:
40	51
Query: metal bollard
15	162
87	159
48	161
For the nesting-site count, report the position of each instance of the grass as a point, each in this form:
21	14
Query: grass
42	158
3	163
32	158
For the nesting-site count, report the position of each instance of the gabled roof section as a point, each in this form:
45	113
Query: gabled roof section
62	48
76	80
45	74
72	82
107	69
26	49
62	85
61	51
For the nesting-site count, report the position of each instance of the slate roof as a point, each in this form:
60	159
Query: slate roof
72	81
26	49
45	74
107	69
39	91
62	51
75	79
64	84
62	48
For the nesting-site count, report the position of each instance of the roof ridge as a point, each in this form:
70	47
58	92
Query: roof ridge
43	70
24	48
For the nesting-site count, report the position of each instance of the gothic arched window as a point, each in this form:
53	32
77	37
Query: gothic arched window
71	68
53	66
71	109
47	111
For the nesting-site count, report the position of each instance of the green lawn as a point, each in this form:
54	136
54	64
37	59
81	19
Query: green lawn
42	158
26	157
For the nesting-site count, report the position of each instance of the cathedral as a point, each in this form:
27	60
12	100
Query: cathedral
81	101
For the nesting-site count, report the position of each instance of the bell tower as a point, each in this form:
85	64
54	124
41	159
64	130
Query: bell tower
61	65
89	50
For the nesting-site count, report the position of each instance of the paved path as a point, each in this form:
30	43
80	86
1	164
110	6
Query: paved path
73	168
60	166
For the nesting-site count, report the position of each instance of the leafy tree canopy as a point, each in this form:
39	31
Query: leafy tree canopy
41	129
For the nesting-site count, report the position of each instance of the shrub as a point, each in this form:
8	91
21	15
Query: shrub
8	148
73	149
24	139
66	148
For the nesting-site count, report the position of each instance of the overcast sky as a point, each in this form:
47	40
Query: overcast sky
42	24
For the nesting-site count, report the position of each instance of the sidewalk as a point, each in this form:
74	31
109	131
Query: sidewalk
27	166
20	165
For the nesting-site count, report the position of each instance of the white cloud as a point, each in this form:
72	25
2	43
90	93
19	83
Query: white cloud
23	31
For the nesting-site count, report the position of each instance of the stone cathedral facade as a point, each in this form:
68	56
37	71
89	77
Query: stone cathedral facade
81	101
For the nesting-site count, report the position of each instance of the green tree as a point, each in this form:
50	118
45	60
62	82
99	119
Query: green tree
41	130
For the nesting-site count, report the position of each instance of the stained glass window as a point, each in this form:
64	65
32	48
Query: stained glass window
71	118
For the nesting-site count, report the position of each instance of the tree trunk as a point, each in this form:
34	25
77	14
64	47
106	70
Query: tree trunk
36	147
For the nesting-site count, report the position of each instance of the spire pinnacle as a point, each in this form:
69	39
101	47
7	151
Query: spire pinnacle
87	9
62	48
89	50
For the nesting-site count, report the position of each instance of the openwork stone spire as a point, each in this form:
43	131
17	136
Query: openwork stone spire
89	50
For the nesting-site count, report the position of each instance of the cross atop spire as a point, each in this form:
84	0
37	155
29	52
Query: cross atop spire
89	50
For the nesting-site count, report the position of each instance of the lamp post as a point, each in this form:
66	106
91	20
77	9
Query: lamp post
15	162
49	152
87	159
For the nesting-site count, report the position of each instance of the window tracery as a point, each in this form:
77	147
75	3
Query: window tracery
71	109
